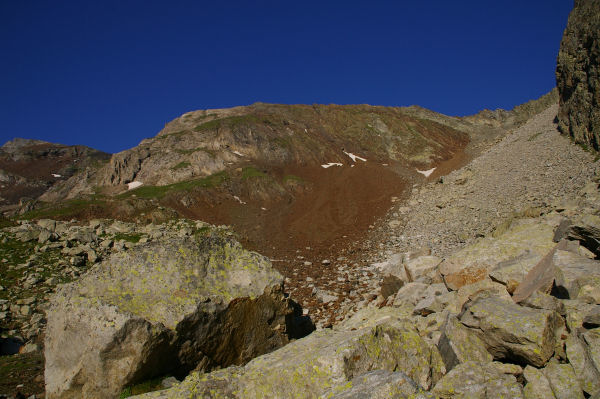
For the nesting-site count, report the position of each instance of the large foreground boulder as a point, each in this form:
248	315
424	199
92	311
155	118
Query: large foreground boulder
163	307
328	362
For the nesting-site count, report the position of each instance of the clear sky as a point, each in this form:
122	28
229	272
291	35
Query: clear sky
109	73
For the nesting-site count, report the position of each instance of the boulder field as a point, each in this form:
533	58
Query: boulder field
518	319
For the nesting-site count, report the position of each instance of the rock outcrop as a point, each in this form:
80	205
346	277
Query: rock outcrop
329	363
578	74
164	307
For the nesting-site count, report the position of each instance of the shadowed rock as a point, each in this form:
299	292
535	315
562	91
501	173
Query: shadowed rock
578	72
458	345
164	307
309	367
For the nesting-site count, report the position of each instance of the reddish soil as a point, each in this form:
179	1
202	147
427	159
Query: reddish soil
328	209
328	216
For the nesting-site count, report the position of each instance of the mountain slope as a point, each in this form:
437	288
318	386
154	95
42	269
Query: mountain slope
30	167
261	169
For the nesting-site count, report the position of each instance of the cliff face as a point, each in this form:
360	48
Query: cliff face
578	74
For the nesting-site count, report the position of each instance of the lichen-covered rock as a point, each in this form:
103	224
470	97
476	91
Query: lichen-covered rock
586	230
422	268
511	272
563	381
578	353
509	256
312	366
511	331
470	291
537	385
458	345
163	307
379	384
576	311
540	300
578	74
592	339
478	380
410	293
575	272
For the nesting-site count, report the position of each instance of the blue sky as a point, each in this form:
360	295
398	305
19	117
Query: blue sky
109	73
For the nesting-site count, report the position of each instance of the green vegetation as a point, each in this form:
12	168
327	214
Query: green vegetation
212	181
282	142
292	178
250	172
17	366
65	209
174	134
134	238
143	387
202	231
181	165
193	150
4	222
229	122
186	152
17	252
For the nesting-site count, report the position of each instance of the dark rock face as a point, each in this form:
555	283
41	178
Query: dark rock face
578	74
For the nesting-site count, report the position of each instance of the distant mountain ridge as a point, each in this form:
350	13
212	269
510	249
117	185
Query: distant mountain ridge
28	168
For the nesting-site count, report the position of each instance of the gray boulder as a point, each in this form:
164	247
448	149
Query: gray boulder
592	339
164	307
586	230
478	380
575	272
577	311
511	331
563	381
379	384
537	385
579	355
423	268
458	344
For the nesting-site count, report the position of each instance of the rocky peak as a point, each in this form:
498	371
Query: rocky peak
17	143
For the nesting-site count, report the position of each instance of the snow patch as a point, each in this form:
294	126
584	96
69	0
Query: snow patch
354	157
56	175
134	184
426	173
238	153
239	200
330	164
